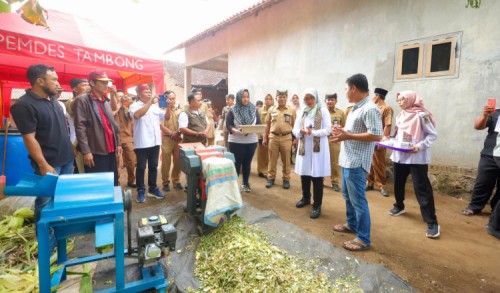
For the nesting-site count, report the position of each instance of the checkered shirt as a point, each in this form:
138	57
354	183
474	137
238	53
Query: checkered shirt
363	117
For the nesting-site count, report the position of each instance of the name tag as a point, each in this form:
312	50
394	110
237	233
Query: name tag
287	118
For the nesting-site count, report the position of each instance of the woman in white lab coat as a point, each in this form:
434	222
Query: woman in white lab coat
312	162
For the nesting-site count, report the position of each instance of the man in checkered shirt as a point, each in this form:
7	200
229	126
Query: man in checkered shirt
362	129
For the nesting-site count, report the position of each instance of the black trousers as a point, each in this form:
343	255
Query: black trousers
495	217
105	163
243	155
317	189
421	185
150	157
488	174
495	214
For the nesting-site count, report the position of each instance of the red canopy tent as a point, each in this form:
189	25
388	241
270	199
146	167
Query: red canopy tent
74	46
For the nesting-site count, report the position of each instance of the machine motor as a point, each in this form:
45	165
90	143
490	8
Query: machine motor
154	235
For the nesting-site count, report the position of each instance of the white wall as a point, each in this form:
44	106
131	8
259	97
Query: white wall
297	44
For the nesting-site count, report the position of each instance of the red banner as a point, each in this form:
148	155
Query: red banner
21	45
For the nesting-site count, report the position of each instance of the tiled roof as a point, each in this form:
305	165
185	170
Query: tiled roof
17	93
254	9
199	77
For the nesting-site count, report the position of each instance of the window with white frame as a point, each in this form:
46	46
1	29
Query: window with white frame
431	57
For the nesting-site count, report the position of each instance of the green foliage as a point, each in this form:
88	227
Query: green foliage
473	3
239	258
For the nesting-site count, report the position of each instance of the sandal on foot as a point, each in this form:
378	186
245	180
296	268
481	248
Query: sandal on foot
343	228
358	246
469	212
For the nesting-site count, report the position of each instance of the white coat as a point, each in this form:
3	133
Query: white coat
311	163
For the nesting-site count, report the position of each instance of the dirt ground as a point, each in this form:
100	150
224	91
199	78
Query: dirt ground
464	259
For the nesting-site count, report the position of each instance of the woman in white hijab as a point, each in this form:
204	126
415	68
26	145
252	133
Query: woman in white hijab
312	129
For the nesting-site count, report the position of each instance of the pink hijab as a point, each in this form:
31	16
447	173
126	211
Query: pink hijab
408	119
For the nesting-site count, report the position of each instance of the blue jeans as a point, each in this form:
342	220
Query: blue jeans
40	201
353	191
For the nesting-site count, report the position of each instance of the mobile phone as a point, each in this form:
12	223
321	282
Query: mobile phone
492	103
163	101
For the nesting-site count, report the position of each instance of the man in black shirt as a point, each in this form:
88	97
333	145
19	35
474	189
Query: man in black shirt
488	173
41	121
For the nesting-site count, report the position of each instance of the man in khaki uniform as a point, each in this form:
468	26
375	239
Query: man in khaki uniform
170	139
126	126
222	123
377	171
338	119
211	120
262	151
279	125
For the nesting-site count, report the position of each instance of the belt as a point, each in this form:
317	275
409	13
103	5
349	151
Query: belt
281	134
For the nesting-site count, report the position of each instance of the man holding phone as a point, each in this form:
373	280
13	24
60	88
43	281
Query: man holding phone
147	140
488	172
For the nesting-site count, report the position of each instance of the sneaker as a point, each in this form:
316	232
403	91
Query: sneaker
269	183
384	192
433	231
492	231
166	188
156	193
396	211
178	186
246	188
140	195
286	184
335	187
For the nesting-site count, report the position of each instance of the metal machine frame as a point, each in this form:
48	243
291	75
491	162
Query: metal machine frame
191	156
62	218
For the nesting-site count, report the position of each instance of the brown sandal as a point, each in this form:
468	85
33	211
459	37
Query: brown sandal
355	245
343	228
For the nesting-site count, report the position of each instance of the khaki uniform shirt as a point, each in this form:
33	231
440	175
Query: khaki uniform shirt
211	120
222	124
347	110
173	123
281	120
126	126
338	117
387	113
263	114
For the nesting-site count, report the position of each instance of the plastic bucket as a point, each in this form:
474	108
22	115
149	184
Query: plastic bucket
17	162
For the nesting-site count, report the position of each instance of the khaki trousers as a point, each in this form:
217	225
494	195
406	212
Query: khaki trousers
280	145
210	141
262	158
377	170
226	138
79	163
334	162
129	161
169	150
